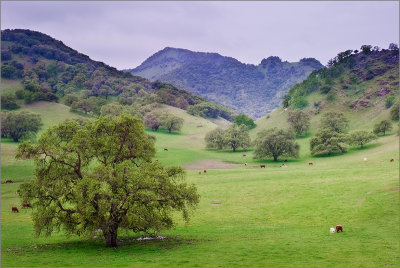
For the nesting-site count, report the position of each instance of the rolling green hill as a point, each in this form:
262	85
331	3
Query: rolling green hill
36	67
246	88
247	216
364	86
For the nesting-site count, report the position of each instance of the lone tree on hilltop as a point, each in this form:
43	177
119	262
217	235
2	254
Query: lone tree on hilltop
20	125
300	121
275	143
99	176
334	122
383	127
360	138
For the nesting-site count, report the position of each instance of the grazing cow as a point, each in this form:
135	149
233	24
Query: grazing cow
244	155
310	163
14	209
156	160
392	160
339	228
165	149
26	205
9	181
332	230
262	166
285	160
205	171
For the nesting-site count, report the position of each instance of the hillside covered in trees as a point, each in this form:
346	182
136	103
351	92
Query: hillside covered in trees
247	88
45	69
355	80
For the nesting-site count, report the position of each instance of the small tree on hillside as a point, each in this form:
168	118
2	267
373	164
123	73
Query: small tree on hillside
327	142
182	103
89	105
171	122
383	127
100	176
215	139
237	137
112	109
393	46
394	112
152	120
300	121
9	102
360	138
20	125
69	99
366	49
244	119
275	143
334	122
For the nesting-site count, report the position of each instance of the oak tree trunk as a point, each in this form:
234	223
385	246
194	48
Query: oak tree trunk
111	238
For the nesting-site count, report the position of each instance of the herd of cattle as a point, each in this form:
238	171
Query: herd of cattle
27	205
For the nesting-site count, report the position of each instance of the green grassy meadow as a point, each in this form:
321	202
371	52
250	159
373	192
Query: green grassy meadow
247	216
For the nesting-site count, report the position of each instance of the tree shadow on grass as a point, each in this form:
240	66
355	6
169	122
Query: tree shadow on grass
365	147
124	243
163	131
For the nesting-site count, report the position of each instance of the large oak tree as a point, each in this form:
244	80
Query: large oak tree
100	175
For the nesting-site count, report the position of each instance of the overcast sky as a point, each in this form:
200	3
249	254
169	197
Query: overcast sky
124	34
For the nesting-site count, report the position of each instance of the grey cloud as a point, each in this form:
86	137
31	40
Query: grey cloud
123	34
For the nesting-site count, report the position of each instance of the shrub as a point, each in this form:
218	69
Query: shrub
382	127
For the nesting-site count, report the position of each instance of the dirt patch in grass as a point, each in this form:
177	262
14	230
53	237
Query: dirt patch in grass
209	164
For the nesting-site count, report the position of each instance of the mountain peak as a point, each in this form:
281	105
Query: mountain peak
247	88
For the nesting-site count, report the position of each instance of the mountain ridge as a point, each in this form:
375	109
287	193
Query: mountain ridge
246	88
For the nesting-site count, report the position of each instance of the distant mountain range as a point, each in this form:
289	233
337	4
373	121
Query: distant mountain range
246	88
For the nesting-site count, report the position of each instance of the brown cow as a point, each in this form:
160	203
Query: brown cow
9	181
285	160
262	166
26	205
244	155
310	163
165	149
14	209
339	228
205	171
392	160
